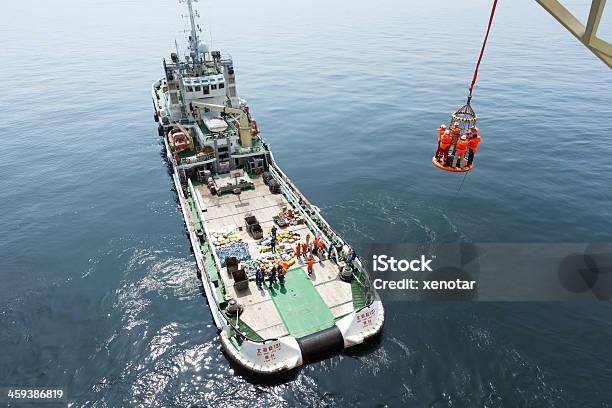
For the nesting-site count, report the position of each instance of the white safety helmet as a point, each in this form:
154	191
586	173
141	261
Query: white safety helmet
447	132
464	137
443	126
456	123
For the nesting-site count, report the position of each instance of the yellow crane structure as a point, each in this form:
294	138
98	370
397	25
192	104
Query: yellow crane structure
586	34
244	121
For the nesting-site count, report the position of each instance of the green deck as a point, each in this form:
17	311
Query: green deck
244	328
300	306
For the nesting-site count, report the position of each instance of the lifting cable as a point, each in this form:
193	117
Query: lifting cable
471	88
484	44
482	49
466	111
460	185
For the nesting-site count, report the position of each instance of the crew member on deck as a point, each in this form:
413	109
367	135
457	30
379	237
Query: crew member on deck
298	250
281	280
273	243
259	277
272	277
279	270
310	264
320	250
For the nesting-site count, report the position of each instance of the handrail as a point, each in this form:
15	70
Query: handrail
292	190
294	199
366	285
196	200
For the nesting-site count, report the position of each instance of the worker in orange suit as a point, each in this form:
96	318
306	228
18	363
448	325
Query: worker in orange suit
460	149
473	145
445	142
304	248
441	131
321	249
310	264
315	245
298	250
285	267
455	132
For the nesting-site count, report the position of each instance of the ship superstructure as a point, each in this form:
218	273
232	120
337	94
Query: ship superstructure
245	219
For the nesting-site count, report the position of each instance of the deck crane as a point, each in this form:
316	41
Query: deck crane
247	127
585	33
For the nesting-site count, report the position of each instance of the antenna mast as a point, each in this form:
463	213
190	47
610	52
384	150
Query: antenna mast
193	38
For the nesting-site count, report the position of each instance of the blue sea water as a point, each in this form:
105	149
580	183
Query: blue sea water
99	290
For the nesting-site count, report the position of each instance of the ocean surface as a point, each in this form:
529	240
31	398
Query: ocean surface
98	286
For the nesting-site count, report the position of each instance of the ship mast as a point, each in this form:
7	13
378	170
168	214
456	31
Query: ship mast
193	38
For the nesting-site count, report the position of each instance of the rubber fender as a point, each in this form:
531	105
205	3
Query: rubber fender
321	344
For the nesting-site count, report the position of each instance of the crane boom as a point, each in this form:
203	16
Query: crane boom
244	121
586	34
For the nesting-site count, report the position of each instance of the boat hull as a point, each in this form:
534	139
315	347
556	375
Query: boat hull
286	353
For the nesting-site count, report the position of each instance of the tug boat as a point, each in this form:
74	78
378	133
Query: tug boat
232	195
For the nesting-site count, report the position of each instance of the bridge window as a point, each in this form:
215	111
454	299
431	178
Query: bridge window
206	89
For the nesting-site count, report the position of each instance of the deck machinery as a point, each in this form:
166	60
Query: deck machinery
231	194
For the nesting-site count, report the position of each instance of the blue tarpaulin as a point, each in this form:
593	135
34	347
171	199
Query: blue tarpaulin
240	251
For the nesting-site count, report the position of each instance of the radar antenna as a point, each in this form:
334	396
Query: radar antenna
193	38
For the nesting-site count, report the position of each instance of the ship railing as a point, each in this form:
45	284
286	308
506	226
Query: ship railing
234	328
320	225
363	279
